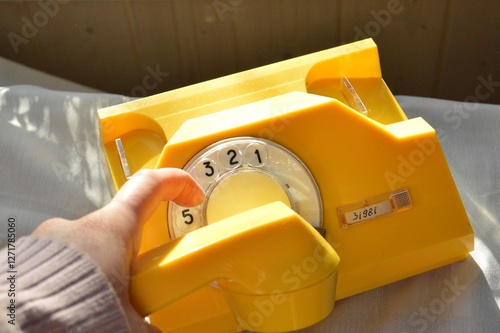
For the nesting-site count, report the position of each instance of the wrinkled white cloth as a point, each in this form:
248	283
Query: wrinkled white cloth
51	159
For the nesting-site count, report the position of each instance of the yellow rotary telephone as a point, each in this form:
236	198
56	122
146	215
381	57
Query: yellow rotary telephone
318	187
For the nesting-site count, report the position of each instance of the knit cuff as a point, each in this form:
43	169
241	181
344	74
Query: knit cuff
59	289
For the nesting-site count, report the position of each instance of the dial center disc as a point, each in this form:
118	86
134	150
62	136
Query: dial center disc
241	191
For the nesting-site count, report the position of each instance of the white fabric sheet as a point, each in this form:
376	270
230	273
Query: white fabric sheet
50	160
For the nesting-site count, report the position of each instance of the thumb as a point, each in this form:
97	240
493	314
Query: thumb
141	195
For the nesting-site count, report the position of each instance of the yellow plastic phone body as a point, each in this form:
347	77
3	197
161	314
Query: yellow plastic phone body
361	162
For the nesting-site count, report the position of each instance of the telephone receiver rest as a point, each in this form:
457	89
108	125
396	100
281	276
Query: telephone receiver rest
266	260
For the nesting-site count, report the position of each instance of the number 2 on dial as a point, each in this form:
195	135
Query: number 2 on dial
233	154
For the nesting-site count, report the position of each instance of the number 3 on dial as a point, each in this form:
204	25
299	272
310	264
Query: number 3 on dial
210	169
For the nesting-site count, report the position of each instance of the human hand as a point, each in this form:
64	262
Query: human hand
111	235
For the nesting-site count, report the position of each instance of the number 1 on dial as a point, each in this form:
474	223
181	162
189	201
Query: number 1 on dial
257	152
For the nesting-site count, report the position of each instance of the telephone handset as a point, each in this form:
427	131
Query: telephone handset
305	163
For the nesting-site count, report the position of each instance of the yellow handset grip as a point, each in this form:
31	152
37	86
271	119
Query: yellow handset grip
266	260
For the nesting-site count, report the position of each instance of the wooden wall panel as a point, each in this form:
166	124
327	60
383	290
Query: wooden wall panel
255	37
472	52
306	26
408	36
210	38
158	47
77	41
268	31
14	44
428	48
82	43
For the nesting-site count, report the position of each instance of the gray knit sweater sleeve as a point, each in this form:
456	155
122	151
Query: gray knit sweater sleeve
48	286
